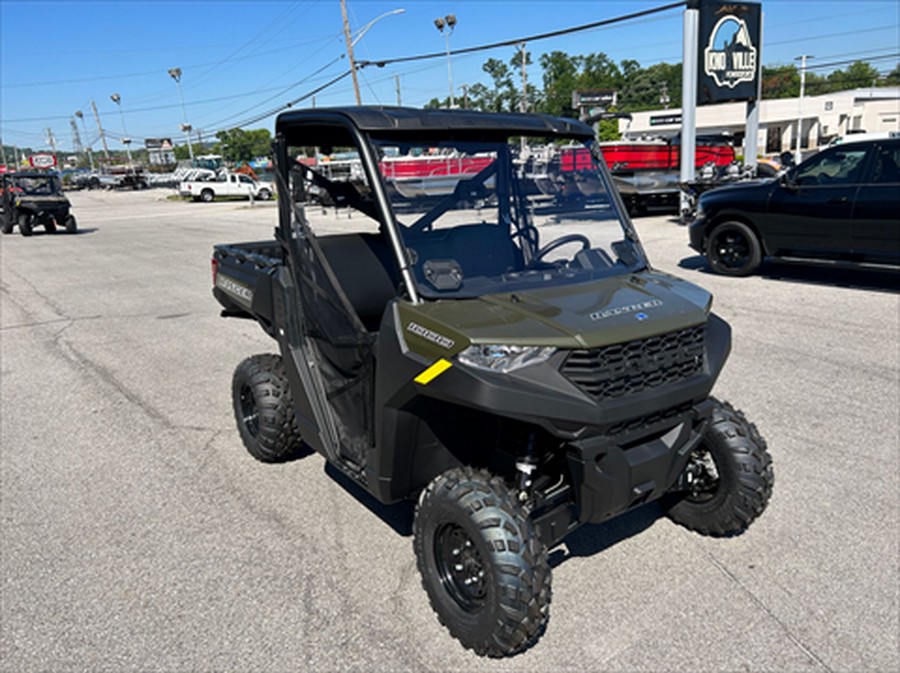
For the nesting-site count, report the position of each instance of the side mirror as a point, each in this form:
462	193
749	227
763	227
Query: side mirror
788	182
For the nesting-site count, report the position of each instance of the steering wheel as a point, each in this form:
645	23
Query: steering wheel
559	242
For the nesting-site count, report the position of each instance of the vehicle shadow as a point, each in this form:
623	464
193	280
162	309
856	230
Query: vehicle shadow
39	233
398	516
595	538
587	540
812	274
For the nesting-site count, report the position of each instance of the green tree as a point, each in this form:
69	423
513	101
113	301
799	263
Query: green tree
238	145
857	75
780	82
598	71
531	93
181	151
560	72
893	77
644	88
501	97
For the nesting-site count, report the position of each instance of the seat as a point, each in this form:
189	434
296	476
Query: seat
365	271
888	171
479	249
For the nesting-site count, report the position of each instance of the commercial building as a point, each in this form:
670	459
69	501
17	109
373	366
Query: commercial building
824	118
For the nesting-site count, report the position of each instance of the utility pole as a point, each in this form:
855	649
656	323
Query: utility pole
51	140
350	52
523	105
798	156
100	129
397	85
90	154
76	137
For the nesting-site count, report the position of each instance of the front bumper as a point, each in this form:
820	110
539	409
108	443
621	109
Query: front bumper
697	234
615	473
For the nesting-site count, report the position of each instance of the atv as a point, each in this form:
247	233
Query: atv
503	355
31	199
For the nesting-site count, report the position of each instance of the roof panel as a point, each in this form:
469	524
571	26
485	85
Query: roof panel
402	121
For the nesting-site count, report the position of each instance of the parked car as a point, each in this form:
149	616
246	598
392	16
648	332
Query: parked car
840	206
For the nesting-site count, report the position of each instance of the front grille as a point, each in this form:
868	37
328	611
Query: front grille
634	366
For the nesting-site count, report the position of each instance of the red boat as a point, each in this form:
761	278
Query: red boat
622	155
415	177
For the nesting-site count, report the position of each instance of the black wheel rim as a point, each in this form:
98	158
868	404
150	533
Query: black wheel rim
731	250
249	411
460	567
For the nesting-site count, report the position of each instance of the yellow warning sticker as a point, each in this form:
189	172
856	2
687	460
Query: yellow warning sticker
433	371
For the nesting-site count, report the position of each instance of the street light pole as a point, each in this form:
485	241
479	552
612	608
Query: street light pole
117	99
175	73
448	22
351	41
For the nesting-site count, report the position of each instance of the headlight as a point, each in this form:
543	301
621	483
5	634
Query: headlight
698	212
499	358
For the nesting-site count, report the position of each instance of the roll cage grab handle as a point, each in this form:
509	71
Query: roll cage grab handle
381	202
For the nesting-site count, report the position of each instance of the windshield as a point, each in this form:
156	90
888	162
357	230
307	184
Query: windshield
490	217
36	185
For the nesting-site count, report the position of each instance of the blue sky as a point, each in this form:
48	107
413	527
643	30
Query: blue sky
244	58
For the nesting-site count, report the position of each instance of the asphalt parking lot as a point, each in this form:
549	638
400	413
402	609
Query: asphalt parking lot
138	534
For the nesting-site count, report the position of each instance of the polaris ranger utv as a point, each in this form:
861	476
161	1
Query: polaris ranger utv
451	333
34	198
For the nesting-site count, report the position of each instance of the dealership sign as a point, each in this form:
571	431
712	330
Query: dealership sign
729	59
42	160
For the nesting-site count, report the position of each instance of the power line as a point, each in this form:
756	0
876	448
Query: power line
868	60
532	38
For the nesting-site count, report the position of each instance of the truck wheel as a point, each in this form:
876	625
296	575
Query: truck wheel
207	195
8	225
264	409
25	224
264	195
733	249
71	224
731	477
482	564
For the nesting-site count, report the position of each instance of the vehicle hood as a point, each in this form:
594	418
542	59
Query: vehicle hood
739	189
584	315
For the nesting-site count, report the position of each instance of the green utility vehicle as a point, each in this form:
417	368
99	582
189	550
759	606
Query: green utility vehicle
31	199
454	331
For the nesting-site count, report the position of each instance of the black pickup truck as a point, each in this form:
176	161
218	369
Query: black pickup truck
433	348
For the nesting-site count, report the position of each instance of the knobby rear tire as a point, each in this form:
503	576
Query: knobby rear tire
264	409
25	224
